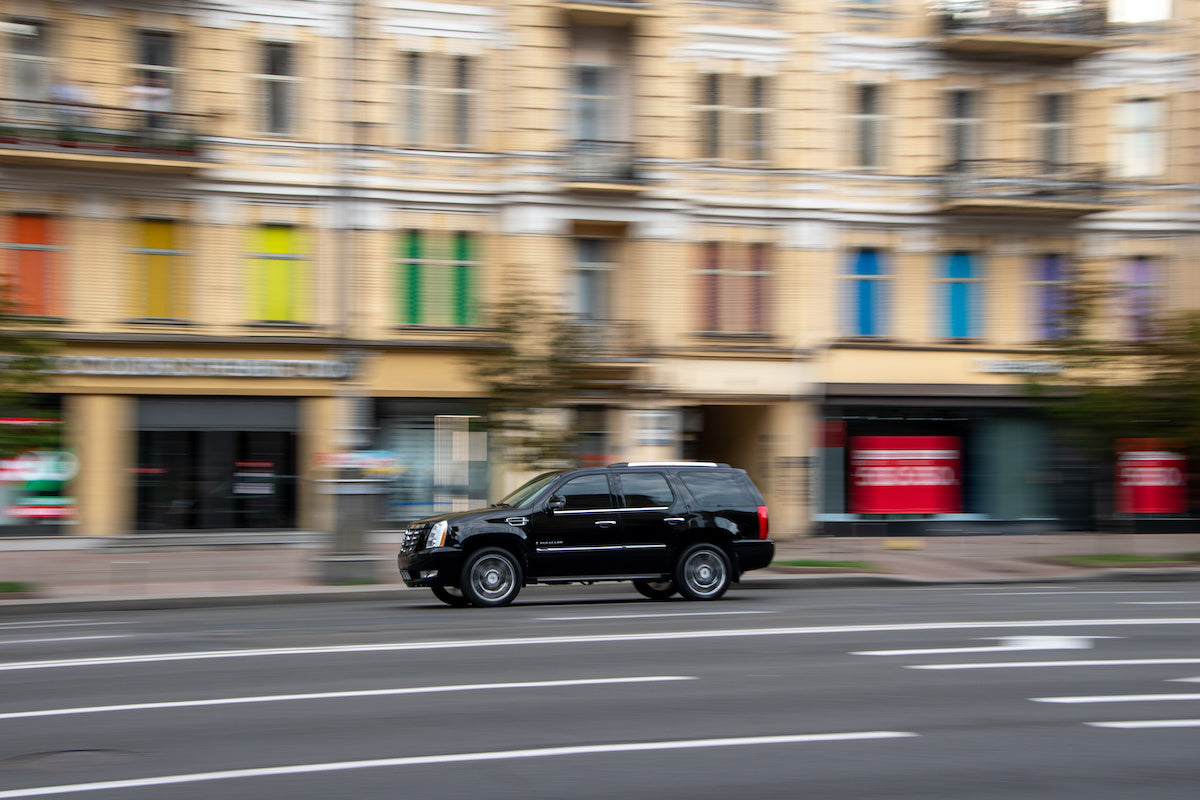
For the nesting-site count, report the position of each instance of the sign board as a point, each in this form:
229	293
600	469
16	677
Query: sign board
1150	479
905	474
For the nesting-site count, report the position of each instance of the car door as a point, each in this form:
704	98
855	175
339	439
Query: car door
581	538
652	515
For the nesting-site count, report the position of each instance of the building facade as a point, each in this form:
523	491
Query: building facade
823	242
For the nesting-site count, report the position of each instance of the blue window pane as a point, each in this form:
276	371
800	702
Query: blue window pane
960	265
960	311
866	262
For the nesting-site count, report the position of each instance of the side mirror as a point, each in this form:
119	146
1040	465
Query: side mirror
557	503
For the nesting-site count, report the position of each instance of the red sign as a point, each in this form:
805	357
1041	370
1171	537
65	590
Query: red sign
1150	481
905	475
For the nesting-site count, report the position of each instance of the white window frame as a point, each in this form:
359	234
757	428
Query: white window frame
963	132
1140	146
289	83
437	102
40	66
868	126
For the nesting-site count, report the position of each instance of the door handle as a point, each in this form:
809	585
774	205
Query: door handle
605	523
674	520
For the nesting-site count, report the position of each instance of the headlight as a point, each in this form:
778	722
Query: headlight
437	534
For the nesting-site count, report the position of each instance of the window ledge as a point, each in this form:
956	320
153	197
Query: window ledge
437	328
159	321
297	326
743	336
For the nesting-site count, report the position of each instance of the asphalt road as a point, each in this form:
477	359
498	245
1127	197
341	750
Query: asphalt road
1015	691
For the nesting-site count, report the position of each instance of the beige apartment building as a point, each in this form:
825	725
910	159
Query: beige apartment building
825	242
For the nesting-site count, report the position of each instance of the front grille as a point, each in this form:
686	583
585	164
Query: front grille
413	538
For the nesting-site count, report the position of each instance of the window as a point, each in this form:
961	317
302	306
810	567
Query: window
29	65
1054	128
1141	138
279	275
591	436
961	288
156	65
1132	11
586	493
31	263
1051	296
722	489
592	102
733	113
437	100
278	87
645	490
734	287
436	279
591	293
867	125
1138	297
962	125
158	278
866	283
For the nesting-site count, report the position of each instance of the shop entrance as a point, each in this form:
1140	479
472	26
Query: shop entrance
227	464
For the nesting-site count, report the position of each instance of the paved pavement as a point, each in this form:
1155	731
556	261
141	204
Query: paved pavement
73	574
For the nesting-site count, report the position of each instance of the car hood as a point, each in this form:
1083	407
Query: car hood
459	517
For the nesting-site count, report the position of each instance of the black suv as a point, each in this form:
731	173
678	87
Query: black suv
686	527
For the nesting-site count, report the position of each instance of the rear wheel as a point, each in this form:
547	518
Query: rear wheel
491	577
703	572
656	590
450	595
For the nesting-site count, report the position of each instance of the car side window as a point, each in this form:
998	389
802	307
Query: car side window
645	490
720	489
586	493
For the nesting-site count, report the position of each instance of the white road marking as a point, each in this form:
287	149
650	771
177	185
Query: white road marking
1075	592
63	639
1162	603
1009	643
668	615
1126	662
452	758
1184	680
277	698
593	639
1149	723
1117	698
57	623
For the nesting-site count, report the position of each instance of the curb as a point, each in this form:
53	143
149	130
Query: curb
761	580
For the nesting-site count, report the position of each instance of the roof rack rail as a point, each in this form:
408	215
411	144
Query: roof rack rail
669	464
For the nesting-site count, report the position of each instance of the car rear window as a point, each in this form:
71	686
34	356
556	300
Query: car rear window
723	489
645	490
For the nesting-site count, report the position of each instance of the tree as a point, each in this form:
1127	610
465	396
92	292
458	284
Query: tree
532	378
25	359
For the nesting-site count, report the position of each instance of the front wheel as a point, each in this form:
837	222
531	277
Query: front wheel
703	572
491	577
656	590
450	595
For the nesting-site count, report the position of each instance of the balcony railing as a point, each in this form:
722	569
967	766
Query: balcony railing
85	128
1008	186
1052	28
611	340
595	162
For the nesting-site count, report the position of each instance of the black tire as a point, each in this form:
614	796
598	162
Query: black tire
656	590
450	595
703	572
491	577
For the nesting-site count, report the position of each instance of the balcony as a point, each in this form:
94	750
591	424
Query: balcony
611	343
1039	29
611	13
596	166
998	187
83	135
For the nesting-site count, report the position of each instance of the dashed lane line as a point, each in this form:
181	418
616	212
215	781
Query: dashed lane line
1116	662
1148	723
46	640
1117	698
451	758
667	636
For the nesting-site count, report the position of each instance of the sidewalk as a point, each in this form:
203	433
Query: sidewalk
73	574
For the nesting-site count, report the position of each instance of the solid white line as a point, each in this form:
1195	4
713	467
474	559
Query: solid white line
1011	643
1149	723
277	698
1128	662
452	758
594	639
1070	592
1162	603
57	623
654	616
64	639
1117	698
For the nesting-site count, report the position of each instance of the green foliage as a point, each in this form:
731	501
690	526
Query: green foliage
1116	559
17	587
25	354
537	369
1113	388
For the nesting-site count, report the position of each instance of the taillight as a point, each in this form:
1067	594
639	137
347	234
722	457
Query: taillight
763	527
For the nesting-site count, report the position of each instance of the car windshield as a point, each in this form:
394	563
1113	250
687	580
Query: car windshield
527	493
